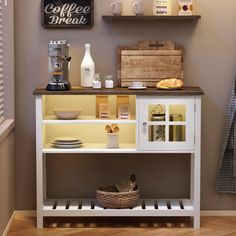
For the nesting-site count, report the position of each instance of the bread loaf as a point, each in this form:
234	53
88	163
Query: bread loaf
170	84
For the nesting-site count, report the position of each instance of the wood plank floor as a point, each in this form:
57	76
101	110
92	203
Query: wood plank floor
211	226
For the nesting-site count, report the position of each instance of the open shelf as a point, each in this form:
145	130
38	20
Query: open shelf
88	120
92	148
101	148
151	17
145	207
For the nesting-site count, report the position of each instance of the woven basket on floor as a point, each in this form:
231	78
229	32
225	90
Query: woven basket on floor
117	200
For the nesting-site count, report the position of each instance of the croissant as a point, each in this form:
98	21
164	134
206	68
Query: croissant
170	83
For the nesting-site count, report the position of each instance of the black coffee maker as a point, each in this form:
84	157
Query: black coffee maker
59	63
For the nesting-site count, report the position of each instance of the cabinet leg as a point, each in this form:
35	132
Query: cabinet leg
196	222
39	221
196	166
195	188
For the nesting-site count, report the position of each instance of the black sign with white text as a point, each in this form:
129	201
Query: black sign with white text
67	13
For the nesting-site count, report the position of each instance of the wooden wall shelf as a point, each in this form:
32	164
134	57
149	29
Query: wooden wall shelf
152	18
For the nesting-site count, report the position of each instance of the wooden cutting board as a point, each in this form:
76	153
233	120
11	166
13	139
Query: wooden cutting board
150	62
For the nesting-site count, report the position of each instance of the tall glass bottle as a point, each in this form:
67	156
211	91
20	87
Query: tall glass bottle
87	69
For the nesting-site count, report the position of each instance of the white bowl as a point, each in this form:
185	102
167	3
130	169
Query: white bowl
67	113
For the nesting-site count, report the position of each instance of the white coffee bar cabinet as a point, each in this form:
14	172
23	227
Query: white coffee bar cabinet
161	121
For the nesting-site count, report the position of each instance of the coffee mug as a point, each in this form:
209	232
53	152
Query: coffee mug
117	8
138	7
138	84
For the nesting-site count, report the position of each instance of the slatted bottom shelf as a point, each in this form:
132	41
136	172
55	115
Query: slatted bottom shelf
90	208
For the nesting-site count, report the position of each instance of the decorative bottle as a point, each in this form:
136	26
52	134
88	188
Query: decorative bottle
87	69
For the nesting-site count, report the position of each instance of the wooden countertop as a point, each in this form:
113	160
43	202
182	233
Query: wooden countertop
185	91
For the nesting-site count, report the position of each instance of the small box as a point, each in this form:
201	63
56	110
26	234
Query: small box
185	7
100	100
123	112
123	108
162	7
104	111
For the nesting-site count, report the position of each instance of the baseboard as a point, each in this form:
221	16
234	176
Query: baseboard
25	213
9	224
218	213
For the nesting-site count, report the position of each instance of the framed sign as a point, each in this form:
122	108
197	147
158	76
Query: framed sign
67	13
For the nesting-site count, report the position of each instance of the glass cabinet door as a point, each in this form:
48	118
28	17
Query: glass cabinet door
166	123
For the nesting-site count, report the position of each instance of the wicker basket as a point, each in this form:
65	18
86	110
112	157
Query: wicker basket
116	200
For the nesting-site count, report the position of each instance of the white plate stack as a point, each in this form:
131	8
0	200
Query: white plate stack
67	142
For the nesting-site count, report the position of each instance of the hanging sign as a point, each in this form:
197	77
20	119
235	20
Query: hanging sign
67	13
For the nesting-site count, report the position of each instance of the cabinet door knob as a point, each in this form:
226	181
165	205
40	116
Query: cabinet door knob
144	123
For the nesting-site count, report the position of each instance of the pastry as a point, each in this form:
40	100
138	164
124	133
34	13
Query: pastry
170	84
